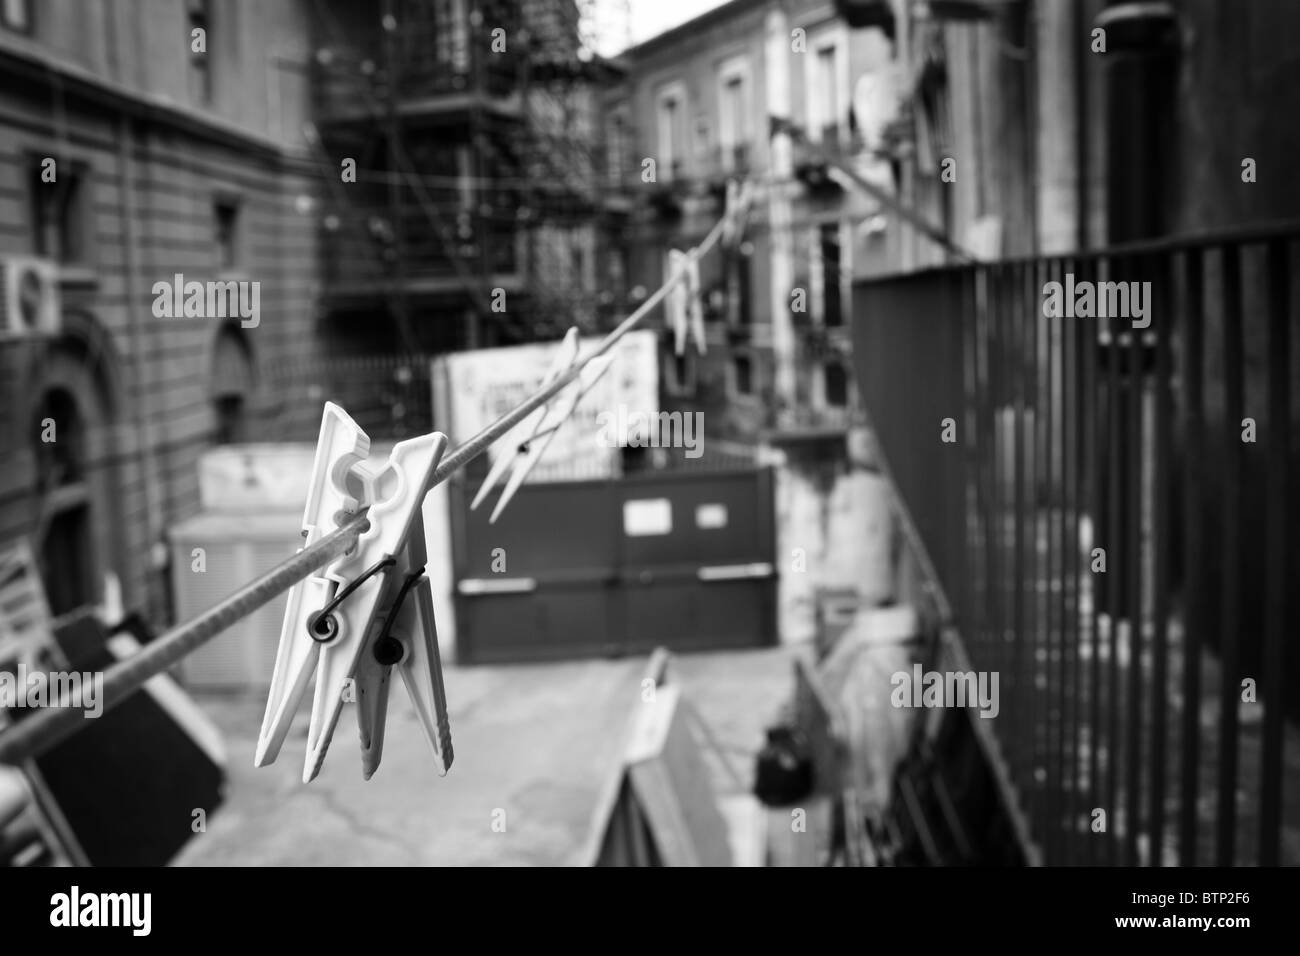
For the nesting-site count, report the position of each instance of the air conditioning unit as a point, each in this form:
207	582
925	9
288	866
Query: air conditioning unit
29	297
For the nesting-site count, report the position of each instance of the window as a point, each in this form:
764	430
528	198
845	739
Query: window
742	367
225	215
232	383
836	384
16	15
826	85
739	296
734	127
828	127
59	220
671	115
829	243
617	149
200	76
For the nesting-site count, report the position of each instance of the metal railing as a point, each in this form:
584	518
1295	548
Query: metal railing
1105	505
355	241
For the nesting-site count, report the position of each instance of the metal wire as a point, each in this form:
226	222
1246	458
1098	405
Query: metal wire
471	449
36	734
324	634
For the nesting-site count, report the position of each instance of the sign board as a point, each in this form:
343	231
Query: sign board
647	517
484	384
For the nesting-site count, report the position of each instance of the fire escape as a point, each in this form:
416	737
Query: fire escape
473	217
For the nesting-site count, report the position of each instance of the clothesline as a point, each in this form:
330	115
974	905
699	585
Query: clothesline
45	728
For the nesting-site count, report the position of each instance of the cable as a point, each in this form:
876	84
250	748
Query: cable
471	449
36	734
323	626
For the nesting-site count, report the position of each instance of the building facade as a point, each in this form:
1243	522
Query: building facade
140	144
474	214
692	113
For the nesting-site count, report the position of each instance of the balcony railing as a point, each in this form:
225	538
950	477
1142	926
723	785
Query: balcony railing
435	55
730	160
358	244
1112	528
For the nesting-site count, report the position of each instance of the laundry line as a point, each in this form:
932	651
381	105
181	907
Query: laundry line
49	726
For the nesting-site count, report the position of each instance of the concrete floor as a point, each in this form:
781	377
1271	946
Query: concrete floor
537	741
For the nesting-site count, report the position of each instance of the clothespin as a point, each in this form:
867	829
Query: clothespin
740	196
366	612
524	445
682	305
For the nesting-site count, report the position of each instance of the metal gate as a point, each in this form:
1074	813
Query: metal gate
582	568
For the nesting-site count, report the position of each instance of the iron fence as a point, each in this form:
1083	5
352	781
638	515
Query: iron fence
1105	502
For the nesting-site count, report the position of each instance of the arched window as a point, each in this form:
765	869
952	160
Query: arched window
76	501
63	524
232	384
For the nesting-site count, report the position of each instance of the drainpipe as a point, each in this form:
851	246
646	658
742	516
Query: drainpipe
777	69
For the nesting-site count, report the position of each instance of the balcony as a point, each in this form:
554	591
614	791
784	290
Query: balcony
727	162
1095	529
360	249
810	158
437	66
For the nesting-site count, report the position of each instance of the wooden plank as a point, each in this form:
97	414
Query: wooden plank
670	779
612	794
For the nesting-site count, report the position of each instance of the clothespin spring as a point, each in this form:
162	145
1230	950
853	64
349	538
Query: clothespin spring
389	650
322	626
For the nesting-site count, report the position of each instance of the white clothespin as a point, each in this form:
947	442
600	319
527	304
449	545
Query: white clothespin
740	196
682	305
366	612
525	444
